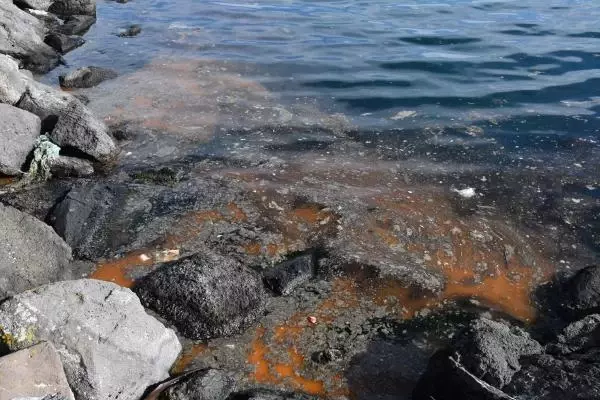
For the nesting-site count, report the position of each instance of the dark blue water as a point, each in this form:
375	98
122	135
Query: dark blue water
524	74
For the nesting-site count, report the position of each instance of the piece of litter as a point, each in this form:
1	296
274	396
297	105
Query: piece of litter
144	257
403	115
576	201
467	193
590	187
312	320
167	255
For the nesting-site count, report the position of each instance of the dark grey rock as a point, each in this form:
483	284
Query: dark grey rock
447	379
130	31
580	295
63	43
266	394
20	129
31	253
283	278
481	360
211	384
63	166
86	77
41	5
22	37
204	295
74	125
491	350
76	24
66	8
109	347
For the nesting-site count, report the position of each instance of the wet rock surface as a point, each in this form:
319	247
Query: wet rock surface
96	323
580	295
86	77
265	394
63	43
283	278
201	385
17	138
204	295
34	372
31	254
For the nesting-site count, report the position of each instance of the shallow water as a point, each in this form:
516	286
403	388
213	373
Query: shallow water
351	126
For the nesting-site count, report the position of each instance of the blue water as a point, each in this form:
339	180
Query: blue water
523	73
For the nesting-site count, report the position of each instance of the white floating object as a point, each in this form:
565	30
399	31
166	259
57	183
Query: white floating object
466	193
403	115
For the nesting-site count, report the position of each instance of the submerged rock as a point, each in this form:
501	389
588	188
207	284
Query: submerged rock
35	372
22	37
63	166
86	77
204	295
286	276
17	138
31	253
130	31
109	346
208	384
580	295
266	394
63	43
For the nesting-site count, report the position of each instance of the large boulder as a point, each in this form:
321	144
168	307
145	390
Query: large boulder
22	37
110	348
20	129
69	122
580	295
66	8
33	372
31	253
481	360
209	384
491	350
204	295
570	369
12	82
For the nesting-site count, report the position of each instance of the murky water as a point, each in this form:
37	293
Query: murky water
352	127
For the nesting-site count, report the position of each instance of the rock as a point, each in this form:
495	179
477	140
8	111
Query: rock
491	350
50	20
67	8
20	129
70	124
22	37
42	5
286	276
581	294
481	360
211	384
109	346
12	83
550	377
447	379
76	24
31	253
63	166
63	43
130	31
86	77
204	295
266	394
580	335
33	372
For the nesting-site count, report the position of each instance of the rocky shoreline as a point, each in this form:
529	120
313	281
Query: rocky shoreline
134	266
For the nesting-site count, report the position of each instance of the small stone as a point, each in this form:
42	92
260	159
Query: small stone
211	384
63	166
283	278
130	31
